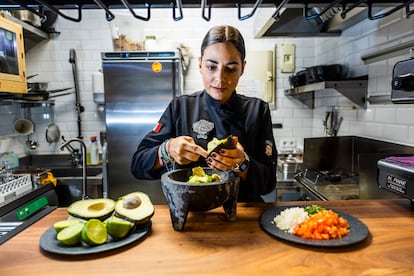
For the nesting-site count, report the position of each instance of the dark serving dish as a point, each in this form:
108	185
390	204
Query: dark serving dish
358	230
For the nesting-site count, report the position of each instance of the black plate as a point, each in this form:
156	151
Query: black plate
358	230
49	243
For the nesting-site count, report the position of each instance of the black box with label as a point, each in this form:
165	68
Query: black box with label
397	177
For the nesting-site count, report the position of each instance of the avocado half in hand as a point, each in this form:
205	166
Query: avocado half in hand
215	145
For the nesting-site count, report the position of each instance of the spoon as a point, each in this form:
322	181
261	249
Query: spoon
30	144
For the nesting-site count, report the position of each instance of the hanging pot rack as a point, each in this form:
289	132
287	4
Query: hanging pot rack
38	6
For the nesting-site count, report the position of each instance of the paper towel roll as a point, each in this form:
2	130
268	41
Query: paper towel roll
97	82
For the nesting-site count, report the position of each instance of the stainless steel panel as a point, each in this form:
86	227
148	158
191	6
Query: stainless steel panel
136	94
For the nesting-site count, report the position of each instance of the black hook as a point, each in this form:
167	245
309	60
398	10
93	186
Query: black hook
126	4
330	6
55	10
408	12
345	10
177	5
109	15
203	8
382	15
276	14
256	5
42	16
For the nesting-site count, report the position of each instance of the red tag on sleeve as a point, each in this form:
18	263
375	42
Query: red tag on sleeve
157	127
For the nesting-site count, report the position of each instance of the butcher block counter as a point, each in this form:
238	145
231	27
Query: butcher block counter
212	246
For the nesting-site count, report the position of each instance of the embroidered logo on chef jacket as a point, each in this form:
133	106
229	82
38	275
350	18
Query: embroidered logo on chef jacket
268	148
202	128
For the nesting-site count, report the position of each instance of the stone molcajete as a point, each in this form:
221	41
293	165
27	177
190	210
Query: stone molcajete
183	197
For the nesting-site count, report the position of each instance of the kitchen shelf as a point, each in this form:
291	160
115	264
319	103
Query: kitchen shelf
354	89
32	35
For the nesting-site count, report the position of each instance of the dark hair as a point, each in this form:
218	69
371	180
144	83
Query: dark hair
224	33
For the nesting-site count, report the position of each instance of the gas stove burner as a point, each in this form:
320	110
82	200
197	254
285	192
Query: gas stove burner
335	176
330	185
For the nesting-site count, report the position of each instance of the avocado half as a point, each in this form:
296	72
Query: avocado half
99	208
135	207
217	144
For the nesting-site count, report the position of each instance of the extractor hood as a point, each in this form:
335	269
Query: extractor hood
292	22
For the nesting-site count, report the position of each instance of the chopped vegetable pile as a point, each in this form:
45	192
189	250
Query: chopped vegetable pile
323	225
312	222
200	176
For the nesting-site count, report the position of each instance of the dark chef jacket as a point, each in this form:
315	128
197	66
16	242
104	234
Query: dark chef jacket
200	116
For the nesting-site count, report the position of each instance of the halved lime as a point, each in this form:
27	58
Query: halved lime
71	235
117	227
60	225
94	232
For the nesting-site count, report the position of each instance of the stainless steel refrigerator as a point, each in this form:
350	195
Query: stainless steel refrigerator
138	87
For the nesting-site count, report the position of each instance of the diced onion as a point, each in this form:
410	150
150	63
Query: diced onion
290	217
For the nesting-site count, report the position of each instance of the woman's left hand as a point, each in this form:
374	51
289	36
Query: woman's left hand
227	159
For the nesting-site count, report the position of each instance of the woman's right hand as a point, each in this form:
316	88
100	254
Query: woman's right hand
184	150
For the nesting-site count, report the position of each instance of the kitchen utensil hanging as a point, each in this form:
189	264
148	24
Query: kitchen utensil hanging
31	143
44	95
52	133
24	127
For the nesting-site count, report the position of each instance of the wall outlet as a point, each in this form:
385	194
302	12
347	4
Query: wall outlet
287	144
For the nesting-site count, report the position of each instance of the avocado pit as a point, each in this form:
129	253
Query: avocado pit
131	201
135	207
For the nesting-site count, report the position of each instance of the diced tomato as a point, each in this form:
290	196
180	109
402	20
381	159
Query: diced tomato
326	224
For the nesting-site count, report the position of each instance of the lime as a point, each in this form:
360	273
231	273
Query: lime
60	225
117	227
94	232
71	235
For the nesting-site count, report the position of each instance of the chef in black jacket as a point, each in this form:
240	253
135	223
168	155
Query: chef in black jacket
180	137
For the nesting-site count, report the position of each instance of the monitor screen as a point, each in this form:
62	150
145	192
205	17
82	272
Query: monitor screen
9	62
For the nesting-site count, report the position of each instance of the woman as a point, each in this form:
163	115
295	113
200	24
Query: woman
190	121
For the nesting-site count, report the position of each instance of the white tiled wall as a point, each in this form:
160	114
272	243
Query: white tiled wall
390	122
92	36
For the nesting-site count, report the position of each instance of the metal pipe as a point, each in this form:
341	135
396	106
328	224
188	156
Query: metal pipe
79	107
84	175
